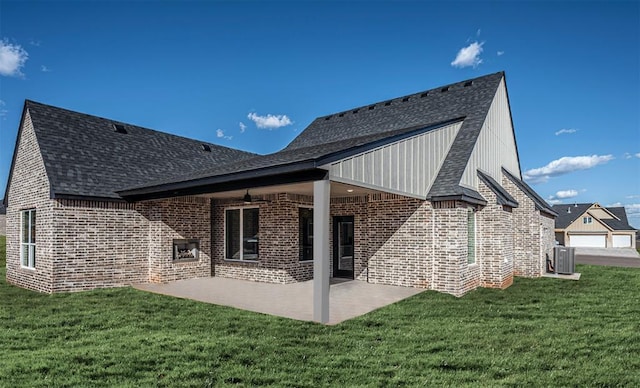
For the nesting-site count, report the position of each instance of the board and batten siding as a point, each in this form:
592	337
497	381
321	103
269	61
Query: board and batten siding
496	146
408	166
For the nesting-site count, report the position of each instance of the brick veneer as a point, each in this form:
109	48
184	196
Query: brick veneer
495	243
29	189
533	237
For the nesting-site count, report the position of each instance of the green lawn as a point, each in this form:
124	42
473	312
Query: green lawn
543	332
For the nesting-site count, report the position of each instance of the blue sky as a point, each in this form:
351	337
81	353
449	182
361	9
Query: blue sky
253	75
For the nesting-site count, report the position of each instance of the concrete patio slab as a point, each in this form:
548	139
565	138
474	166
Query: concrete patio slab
573	276
347	299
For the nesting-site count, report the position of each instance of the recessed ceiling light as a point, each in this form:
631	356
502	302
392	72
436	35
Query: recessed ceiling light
349	190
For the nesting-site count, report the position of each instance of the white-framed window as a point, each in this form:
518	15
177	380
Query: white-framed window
587	220
471	236
28	238
241	233
305	233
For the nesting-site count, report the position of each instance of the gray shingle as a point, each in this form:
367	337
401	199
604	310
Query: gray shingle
566	218
374	122
84	156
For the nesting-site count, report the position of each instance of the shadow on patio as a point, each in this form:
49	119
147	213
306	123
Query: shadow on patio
348	298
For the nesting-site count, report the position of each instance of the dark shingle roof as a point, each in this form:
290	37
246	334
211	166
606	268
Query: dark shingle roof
358	127
566	218
503	197
84	156
539	203
569	213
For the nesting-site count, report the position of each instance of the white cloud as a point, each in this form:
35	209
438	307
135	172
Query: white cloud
564	194
44	69
564	130
12	59
632	209
500	53
242	127
478	32
565	165
632	196
554	201
638	155
220	134
270	121
468	56
34	42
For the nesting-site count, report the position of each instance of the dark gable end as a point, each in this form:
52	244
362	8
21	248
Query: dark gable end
88	156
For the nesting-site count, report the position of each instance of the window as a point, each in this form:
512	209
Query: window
306	234
587	220
471	236
241	234
28	239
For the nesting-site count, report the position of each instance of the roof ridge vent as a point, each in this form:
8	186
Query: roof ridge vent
327	118
372	107
119	128
425	94
387	103
205	147
445	89
405	99
355	111
468	83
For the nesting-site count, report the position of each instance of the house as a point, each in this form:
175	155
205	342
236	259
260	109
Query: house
592	225
421	191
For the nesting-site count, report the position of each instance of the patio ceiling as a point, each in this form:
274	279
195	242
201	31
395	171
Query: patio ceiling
338	189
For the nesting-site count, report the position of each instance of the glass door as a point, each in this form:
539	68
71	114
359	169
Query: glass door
343	247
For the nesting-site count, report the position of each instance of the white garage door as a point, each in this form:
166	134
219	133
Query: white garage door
588	240
621	241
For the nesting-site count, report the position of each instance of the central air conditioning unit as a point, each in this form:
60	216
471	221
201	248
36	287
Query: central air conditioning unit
564	260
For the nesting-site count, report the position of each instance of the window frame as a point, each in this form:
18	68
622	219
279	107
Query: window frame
241	235
472	254
587	220
301	258
30	244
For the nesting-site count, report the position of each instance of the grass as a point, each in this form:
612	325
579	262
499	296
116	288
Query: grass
543	332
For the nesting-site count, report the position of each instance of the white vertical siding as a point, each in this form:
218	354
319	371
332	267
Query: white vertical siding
496	145
408	166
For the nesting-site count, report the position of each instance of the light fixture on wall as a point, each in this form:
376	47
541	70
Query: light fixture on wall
247	197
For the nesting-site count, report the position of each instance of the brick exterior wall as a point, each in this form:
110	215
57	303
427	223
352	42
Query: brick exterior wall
496	241
278	241
534	236
29	189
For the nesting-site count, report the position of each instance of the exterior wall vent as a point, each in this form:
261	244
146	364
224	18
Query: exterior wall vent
119	128
206	147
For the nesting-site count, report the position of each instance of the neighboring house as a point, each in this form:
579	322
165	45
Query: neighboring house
592	225
419	191
3	220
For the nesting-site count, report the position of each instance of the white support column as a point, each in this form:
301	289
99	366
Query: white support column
321	194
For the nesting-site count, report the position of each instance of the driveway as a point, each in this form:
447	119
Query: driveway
347	299
616	257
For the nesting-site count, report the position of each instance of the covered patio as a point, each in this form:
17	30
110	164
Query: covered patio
348	298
